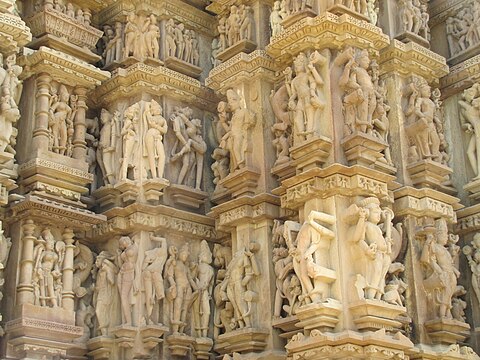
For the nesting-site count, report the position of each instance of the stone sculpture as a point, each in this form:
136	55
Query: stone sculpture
129	135
462	29
60	121
157	127
5	245
420	114
221	129
127	258
309	255
415	17
82	265
10	90
291	7
360	101
282	129
276	18
288	287
381	122
49	255
359	6
104	290
107	145
152	275
440	271
374	246
470	121
152	37
236	286
182	43
180	285
241	123
472	252
204	282
305	95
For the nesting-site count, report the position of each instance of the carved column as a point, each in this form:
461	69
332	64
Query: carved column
67	294
25	287
42	107
79	143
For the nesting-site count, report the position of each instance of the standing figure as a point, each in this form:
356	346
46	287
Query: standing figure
276	19
103	290
470	121
204	281
129	136
233	26
153	140
132	35
372	249
152	38
179	40
127	258
240	133
441	274
48	257
107	146
152	271
222	33
473	256
179	293
60	121
170	38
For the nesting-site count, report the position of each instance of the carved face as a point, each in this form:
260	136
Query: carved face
425	91
364	60
375	213
124	242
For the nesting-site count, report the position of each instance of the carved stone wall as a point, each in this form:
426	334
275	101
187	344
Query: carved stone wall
294	179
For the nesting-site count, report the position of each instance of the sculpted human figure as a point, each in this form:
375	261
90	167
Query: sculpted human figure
222	33
127	258
470	121
407	14
48	261
132	35
372	11
241	122
170	38
421	111
276	18
233	24
129	136
282	129
372	249
360	100
246	22
179	40
204	283
304	100
60	121
473	256
152	275
240	271
107	145
179	293
152	37
441	276
153	140
195	49
187	38
306	253
104	290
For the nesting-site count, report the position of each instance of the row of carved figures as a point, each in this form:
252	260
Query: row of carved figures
301	261
83	16
300	104
136	140
140	35
463	29
235	27
414	17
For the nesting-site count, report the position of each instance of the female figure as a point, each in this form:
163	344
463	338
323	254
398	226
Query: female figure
152	269
60	120
127	258
129	135
151	38
204	283
103	290
131	35
157	127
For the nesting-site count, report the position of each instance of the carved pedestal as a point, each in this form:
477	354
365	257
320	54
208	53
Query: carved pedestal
363	149
125	335
183	67
447	331
284	170
180	344
152	335
187	196
408	36
241	182
106	196
100	348
128	191
294	18
342	9
323	316
245	46
202	347
428	173
152	189
287	325
371	315
311	153
242	341
473	187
